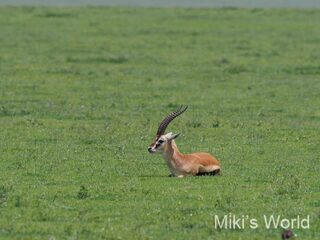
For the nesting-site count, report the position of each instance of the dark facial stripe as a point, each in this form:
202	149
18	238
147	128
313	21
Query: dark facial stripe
155	140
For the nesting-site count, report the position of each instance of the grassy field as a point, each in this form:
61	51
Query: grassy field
82	91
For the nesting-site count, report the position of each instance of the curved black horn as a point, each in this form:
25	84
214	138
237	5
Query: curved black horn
165	122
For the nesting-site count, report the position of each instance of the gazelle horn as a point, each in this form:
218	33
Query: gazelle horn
165	122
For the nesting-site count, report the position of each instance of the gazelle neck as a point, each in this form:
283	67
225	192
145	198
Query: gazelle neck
171	151
174	158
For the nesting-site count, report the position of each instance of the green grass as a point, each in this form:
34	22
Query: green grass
82	91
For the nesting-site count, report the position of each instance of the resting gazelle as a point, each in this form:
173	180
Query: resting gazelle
180	164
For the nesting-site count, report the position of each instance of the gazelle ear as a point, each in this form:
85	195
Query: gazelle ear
173	136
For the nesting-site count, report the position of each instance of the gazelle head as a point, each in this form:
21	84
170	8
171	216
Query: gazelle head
161	139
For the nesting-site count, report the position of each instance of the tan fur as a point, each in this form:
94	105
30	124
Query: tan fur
180	164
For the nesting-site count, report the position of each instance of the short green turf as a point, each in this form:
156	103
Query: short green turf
82	91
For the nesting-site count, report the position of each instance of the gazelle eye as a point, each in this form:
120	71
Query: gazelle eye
160	141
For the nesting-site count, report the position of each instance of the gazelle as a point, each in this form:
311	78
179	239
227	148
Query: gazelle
180	164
